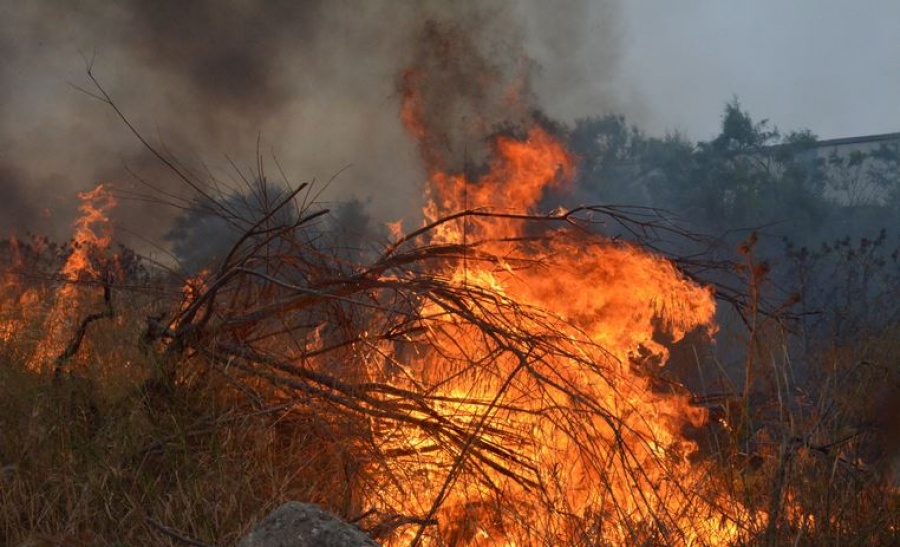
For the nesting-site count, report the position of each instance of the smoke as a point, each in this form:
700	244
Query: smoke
316	85
15	208
227	56
458	95
576	52
491	66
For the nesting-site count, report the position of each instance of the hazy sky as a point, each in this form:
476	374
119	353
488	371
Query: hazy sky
317	82
831	66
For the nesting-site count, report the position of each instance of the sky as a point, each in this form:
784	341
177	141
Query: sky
830	66
314	85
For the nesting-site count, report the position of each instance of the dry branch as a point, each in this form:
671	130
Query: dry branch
329	336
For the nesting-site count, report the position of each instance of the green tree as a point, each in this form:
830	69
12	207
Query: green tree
748	176
609	152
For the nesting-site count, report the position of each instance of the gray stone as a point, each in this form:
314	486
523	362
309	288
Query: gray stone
296	524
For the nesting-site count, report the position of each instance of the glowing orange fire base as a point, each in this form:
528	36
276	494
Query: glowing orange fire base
557	433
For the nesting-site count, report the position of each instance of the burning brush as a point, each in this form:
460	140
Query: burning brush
486	362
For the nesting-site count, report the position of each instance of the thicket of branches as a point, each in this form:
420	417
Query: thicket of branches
371	344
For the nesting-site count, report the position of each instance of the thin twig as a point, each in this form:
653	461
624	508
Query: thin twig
174	534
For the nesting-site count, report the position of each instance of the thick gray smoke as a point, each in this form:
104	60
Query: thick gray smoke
316	85
459	89
227	55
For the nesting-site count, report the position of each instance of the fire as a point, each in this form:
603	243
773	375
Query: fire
194	286
560	431
12	294
90	240
92	234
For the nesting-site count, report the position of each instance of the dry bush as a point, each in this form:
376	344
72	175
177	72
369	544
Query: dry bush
370	348
808	433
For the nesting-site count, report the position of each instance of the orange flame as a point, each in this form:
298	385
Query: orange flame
91	238
92	234
604	304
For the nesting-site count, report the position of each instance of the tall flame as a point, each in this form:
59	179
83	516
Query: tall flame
92	234
91	238
605	305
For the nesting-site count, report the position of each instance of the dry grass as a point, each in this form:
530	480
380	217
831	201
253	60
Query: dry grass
81	470
107	456
811	436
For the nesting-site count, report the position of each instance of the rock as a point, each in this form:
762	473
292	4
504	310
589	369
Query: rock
296	524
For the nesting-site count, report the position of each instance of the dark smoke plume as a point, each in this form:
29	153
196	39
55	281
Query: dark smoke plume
16	209
311	83
459	94
229	66
227	53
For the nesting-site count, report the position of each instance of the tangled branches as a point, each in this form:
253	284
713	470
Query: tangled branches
480	410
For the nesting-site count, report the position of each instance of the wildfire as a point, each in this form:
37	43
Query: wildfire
91	238
563	433
92	234
15	299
